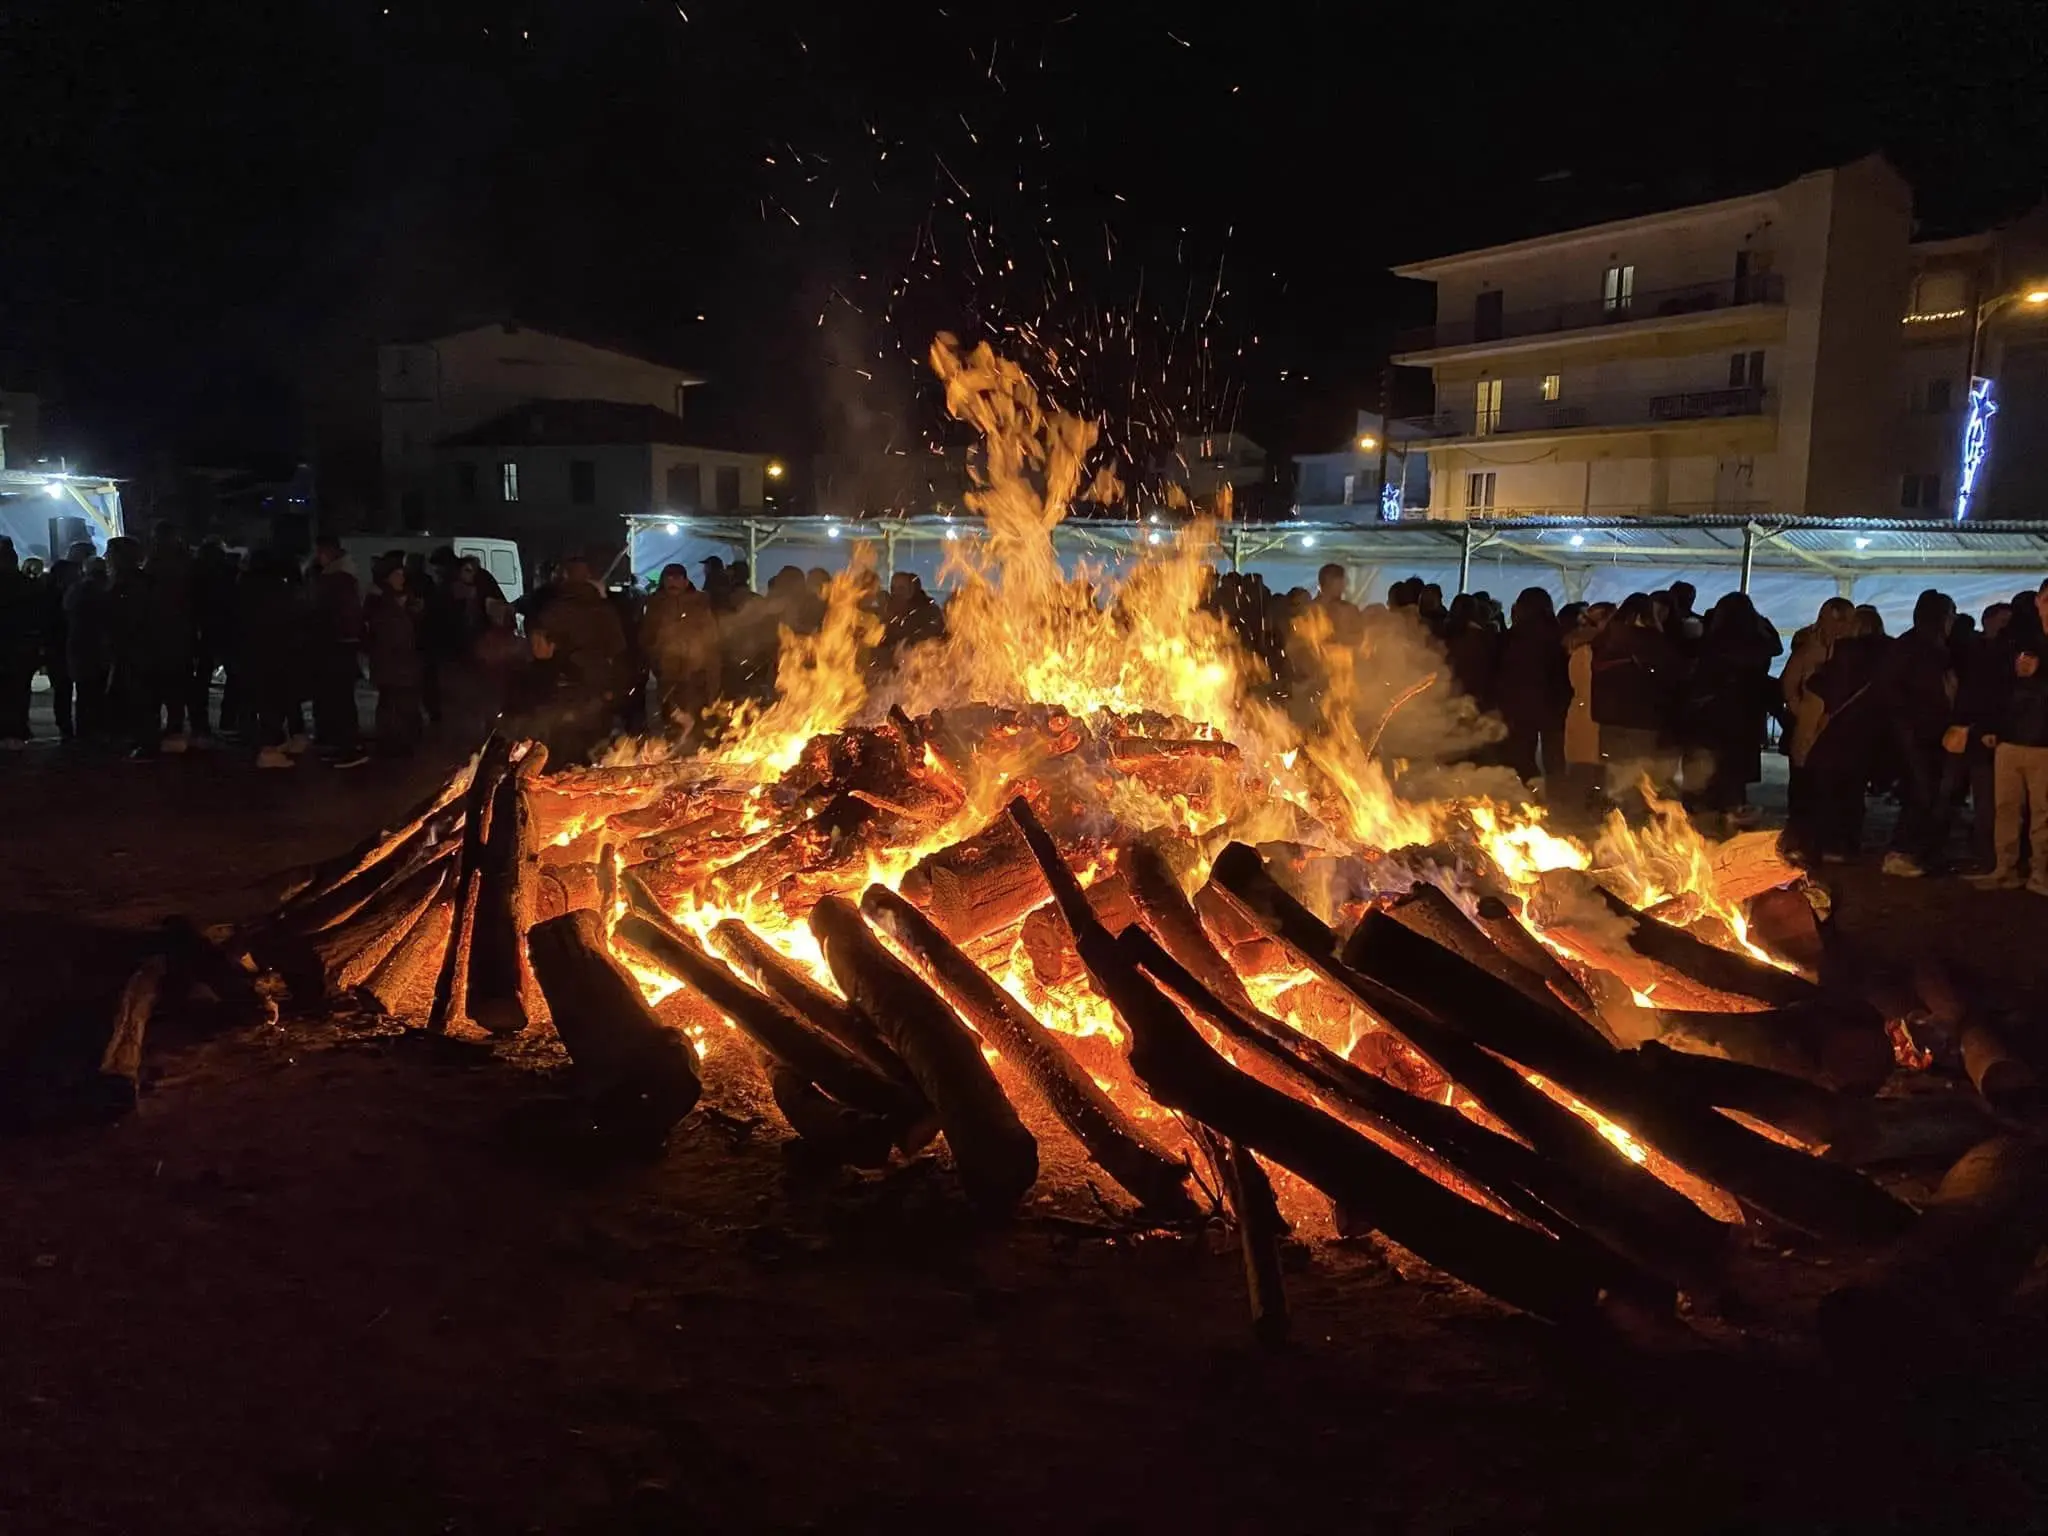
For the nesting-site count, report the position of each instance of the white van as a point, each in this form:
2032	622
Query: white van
498	556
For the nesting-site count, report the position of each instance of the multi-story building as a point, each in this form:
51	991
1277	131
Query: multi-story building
433	390
1729	357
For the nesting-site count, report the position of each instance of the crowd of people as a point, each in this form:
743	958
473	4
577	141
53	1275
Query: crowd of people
1593	700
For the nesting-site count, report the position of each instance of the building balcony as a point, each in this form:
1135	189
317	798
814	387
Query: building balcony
1666	304
1463	422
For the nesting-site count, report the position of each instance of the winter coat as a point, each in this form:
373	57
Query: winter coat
1634	674
169	569
1533	680
2025	720
391	640
1471	650
271	627
1729	696
1917	687
589	642
1849	687
88	632
338	606
1809	654
679	634
21	617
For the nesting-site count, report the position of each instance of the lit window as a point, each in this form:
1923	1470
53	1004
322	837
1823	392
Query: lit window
1479	490
1553	386
1618	289
508	480
1486	408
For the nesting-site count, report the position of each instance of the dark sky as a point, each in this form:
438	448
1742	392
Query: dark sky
216	208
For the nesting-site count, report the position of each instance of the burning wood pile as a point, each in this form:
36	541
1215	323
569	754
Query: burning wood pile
1218	952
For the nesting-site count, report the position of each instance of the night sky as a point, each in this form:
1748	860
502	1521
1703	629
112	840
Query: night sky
1178	213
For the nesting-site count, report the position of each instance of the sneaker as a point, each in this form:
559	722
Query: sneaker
175	741
1903	865
274	757
1996	881
297	746
354	758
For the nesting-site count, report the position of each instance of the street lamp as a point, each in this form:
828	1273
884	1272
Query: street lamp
1367	443
775	470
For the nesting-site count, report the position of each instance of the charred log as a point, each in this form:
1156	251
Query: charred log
451	985
1513	939
1834	1041
381	844
834	839
979	885
640	1078
1516	1264
771	971
1720	969
1248	1193
1049	941
835	1132
121	1062
348	954
413	964
500	976
1153	1177
777	1030
996	1156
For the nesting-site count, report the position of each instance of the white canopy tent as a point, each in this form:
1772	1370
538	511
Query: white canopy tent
1788	566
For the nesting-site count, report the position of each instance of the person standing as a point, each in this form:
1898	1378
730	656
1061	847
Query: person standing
679	635
1917	690
391	643
2019	749
167	671
1635	673
270	625
1811	648
213	641
64	575
1534	687
579	637
21	634
133	684
1730	696
89	646
337	640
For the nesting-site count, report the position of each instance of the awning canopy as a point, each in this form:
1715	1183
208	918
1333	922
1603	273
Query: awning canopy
1788	565
42	510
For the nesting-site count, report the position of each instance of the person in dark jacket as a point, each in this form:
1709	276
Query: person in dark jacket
1848	736
270	632
2019	745
1984	673
168	674
1917	691
1729	695
679	637
1471	647
135	684
89	645
391	645
337	638
21	638
63	576
1635	674
578	639
1533	685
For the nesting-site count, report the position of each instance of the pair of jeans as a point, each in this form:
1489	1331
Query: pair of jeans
2020	779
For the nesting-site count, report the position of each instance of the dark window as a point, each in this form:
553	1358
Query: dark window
685	487
412	508
1479	490
1746	370
1930	492
582	481
465	484
1920	493
1742	277
1937	397
1909	492
1486	316
728	487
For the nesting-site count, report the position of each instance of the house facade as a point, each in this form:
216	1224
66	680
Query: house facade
1731	357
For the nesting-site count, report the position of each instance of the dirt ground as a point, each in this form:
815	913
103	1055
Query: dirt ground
332	1279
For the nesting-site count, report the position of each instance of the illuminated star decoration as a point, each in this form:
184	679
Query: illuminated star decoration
1976	441
1390	503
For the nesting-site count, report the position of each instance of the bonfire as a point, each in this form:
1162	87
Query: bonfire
1065	875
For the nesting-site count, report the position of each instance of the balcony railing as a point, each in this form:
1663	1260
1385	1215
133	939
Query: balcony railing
1591	314
1464	419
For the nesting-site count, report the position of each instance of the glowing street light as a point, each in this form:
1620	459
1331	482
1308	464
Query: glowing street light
1368	443
775	470
2036	296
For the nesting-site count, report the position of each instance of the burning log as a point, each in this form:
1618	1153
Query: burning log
834	839
1836	1042
760	962
500	976
1371	1186
1791	1187
349	954
1814	1114
2007	1083
1782	920
565	888
344	900
641	1077
1049	942
1152	1176
1747	865
1427	913
831	1129
1543	1190
1249	949
1971	1248
1513	939
996	1156
451	985
780	1033
979	885
415	960
1720	969
1164	908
